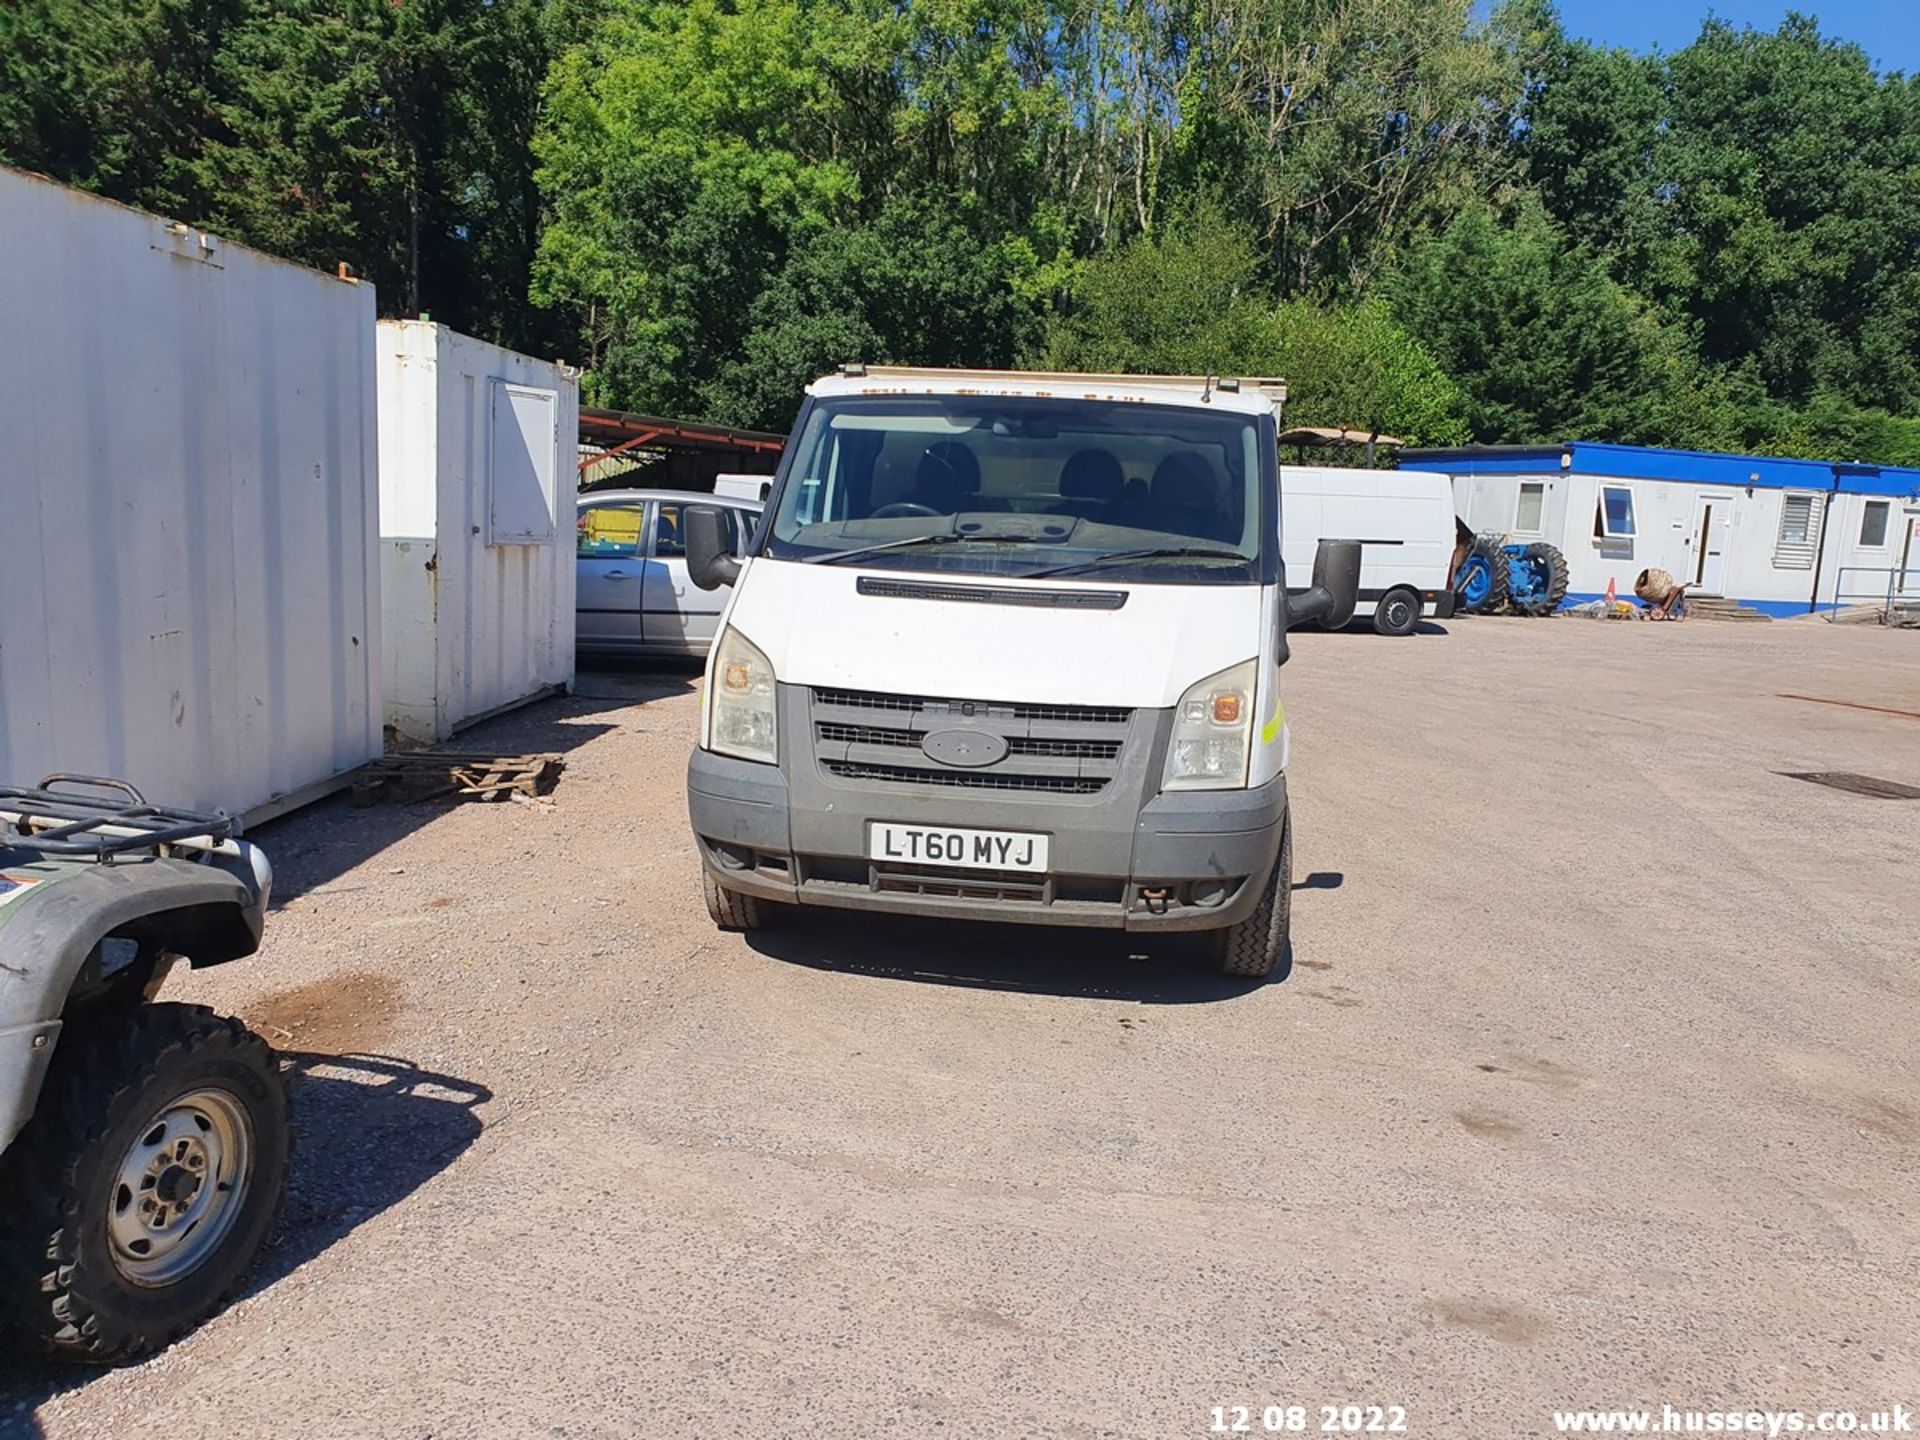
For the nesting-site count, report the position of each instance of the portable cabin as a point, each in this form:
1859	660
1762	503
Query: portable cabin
1783	537
477	476
191	599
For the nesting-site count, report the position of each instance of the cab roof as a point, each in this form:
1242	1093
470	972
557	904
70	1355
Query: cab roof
1251	395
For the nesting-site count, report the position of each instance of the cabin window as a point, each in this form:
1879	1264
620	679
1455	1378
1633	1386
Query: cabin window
1873	525
1528	511
1799	533
1613	514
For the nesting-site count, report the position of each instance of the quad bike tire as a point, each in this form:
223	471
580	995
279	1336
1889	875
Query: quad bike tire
1397	613
1255	946
1490	598
729	909
167	1108
1549	568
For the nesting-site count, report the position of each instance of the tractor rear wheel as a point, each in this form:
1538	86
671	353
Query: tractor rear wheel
1483	580
1538	580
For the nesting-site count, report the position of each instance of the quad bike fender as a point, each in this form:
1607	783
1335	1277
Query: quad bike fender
51	944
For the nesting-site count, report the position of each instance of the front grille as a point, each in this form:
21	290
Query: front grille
865	735
947	709
965	779
1016	745
861	735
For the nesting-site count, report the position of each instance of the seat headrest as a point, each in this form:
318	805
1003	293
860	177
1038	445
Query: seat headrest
1184	478
1092	475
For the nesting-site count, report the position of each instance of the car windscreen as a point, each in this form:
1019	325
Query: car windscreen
1026	486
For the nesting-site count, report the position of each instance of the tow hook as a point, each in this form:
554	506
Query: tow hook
1156	901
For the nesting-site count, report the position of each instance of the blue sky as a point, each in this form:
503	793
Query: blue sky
1888	30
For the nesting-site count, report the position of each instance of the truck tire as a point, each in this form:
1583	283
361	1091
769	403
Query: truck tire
146	1182
729	909
1256	945
1397	613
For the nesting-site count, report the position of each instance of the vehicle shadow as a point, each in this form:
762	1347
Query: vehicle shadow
318	844
369	1130
1040	960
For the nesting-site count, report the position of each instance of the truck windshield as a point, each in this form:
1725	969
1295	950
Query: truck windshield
1020	486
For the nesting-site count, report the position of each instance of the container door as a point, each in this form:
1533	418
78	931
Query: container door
1709	544
1908	580
607	575
679	614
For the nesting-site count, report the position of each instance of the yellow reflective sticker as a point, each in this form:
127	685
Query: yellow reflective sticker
1271	731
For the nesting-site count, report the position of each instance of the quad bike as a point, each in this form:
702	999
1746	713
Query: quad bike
144	1147
1490	576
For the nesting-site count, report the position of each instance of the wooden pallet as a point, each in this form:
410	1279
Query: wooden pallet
434	774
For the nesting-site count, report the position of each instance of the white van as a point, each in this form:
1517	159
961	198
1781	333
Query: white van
1404	522
1007	646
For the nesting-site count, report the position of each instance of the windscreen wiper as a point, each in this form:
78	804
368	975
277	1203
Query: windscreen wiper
940	537
1153	552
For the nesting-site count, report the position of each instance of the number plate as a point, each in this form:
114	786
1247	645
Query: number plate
946	845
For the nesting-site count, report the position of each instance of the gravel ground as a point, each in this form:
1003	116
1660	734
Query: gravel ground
1593	1084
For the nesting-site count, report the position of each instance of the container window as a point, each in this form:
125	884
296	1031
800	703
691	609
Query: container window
1873	524
1532	504
1799	533
521	456
610	532
1613	514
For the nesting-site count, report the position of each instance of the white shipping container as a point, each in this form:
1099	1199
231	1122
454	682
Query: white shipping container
477	487
187	478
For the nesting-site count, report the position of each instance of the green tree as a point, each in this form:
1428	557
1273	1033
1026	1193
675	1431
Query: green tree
1545	343
1189	301
393	136
916	286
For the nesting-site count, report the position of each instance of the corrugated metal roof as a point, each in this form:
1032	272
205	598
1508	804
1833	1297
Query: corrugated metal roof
1693	467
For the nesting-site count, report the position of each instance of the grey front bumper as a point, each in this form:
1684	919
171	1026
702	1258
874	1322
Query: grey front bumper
1194	860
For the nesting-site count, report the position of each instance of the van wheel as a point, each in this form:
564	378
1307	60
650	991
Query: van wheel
1256	945
144	1185
729	909
1397	613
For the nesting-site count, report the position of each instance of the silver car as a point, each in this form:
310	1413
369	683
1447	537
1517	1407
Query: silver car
632	595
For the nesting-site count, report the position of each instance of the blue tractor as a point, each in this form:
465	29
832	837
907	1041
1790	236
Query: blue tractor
1491	576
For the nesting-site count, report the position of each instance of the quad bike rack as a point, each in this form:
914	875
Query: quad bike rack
94	817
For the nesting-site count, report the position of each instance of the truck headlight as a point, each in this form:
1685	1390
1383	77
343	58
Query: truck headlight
740	701
1213	732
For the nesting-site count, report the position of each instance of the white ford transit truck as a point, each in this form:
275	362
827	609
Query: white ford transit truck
1007	646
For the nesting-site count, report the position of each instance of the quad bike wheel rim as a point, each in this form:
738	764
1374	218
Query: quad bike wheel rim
180	1188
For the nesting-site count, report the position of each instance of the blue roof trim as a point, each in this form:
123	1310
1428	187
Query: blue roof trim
1687	467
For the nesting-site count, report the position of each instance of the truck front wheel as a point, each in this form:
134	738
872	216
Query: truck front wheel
1256	945
1397	613
145	1184
729	909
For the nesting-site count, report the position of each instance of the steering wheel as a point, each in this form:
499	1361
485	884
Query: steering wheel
903	507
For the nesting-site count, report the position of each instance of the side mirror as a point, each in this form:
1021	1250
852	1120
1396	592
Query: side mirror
1336	586
710	559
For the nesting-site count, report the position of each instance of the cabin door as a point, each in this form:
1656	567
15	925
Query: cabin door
1709	544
